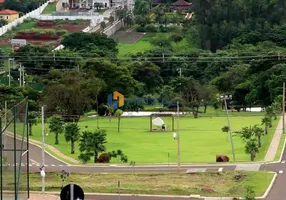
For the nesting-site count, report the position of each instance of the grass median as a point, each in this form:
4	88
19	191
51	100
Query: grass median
217	184
201	139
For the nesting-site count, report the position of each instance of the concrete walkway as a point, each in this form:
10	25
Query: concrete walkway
270	155
43	197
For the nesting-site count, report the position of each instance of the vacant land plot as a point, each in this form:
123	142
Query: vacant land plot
37	32
207	184
140	45
201	139
51	7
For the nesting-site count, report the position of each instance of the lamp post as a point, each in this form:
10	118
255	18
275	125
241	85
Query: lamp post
9	68
224	98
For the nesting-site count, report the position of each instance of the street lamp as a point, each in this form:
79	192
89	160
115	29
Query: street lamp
224	98
9	68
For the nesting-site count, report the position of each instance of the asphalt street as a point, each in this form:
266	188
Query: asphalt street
278	192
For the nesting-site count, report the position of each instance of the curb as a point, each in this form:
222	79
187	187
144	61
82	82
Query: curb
281	155
270	186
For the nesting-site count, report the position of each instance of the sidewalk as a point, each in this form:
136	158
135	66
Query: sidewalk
43	197
270	155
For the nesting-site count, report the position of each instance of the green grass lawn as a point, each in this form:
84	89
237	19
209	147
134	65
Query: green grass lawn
281	144
201	139
140	46
230	184
51	7
144	45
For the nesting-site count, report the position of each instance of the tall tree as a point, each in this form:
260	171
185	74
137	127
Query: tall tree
266	121
32	121
118	114
91	143
72	134
72	93
251	147
56	125
258	132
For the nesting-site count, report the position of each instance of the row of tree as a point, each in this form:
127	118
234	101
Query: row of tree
252	135
91	143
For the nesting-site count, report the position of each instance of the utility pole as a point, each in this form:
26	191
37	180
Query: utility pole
5	138
178	130
23	75
9	74
229	125
20	78
283	108
43	150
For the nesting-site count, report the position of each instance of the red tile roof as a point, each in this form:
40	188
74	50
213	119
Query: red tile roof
8	12
2	1
181	3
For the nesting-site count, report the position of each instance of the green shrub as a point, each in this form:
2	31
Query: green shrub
141	29
37	35
151	28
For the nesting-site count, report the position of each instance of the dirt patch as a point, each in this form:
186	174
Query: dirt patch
63	26
127	37
36	36
4	41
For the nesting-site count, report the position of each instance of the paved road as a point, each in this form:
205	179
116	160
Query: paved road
278	191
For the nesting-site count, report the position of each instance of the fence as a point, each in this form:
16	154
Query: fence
98	19
73	13
20	20
14	151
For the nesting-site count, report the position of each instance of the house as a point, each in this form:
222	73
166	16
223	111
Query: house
181	4
9	15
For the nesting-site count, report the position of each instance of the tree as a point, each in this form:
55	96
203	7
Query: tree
96	43
149	74
161	41
270	113
142	20
56	125
3	22
92	143
251	147
32	121
266	121
72	93
258	132
246	133
225	129
72	134
37	60
118	114
177	38
119	155
109	110
141	7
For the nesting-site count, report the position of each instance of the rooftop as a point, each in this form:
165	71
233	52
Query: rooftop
8	12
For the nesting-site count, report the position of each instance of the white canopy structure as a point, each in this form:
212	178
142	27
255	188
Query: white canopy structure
158	121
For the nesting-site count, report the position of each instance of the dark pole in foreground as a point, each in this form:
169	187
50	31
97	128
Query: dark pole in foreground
283	108
15	167
28	152
1	149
